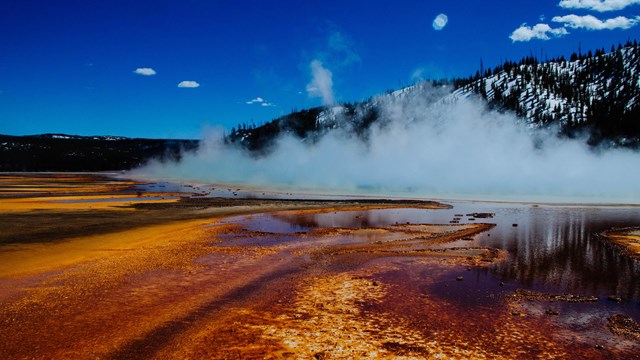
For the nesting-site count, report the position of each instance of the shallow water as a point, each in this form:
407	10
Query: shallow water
208	190
550	249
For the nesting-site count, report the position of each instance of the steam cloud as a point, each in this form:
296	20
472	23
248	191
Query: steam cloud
426	147
321	84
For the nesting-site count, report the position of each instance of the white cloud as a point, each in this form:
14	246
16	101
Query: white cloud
598	5
538	31
590	22
260	101
144	71
440	22
321	84
256	100
188	84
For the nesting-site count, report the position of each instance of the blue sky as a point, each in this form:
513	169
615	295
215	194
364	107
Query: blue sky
70	66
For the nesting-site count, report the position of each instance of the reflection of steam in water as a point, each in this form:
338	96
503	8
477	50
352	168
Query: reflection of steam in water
424	145
553	248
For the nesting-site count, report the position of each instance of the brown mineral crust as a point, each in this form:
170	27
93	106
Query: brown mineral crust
627	239
414	238
375	314
624	325
529	295
51	184
462	333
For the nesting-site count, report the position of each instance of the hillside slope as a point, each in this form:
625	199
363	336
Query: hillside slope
599	93
594	94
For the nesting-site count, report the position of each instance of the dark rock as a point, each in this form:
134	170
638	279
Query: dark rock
614	298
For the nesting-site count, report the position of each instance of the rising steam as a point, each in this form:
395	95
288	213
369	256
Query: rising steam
321	84
423	147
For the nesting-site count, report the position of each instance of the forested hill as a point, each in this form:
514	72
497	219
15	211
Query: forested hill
595	93
59	152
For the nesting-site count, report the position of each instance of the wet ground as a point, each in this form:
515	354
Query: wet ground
556	251
290	279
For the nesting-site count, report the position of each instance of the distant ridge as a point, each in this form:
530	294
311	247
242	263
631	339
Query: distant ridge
79	137
62	152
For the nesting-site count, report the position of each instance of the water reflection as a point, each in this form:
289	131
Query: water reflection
557	248
551	248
